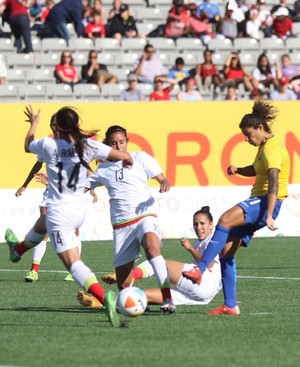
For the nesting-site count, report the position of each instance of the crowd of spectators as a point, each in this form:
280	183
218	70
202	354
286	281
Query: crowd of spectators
203	20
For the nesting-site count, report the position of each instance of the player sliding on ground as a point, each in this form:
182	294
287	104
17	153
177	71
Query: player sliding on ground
237	225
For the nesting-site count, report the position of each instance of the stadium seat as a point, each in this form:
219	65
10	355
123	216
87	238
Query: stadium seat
7	46
54	45
40	76
120	73
248	59
22	61
36	44
16	76
47	60
32	92
295	58
110	45
273	44
127	59
87	92
107	59
245	44
292	44
190	45
144	28
274	55
81	44
149	14
133	44
162	44
8	93
80	58
59	92
112	90
219	58
220	44
146	89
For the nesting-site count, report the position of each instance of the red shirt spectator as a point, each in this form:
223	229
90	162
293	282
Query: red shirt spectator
282	24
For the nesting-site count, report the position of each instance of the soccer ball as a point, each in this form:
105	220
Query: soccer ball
131	302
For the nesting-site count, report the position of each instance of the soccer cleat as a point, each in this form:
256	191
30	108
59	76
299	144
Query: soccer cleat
167	307
11	239
223	310
88	300
194	275
110	308
109	278
69	278
31	276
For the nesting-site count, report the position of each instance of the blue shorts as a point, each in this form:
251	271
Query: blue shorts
255	212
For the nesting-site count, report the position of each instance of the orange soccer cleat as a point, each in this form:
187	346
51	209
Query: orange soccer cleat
88	300
223	310
194	275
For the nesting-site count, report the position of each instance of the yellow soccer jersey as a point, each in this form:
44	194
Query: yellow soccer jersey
273	154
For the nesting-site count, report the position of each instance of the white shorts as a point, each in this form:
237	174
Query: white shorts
128	240
188	293
61	222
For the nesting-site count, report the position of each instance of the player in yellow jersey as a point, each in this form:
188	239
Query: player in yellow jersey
237	225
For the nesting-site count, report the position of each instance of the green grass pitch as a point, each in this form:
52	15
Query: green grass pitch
42	324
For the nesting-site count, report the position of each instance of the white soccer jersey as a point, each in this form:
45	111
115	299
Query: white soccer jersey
65	172
128	190
200	246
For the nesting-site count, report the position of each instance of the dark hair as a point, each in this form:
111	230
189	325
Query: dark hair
266	69
263	113
113	129
67	122
238	65
62	57
146	47
179	61
206	211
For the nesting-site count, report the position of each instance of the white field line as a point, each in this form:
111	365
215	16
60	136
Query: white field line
109	271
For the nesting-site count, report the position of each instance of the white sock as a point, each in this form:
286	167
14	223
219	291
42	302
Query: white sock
82	274
33	238
146	268
160	271
38	252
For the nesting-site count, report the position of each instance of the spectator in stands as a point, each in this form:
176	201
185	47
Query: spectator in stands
48	6
123	24
265	18
97	6
283	4
161	92
296	17
65	71
96	73
235	74
264	74
177	20
228	27
95	28
286	69
207	73
231	94
34	12
252	24
147	67
198	26
62	13
3	72
209	9
239	9
178	71
190	94
19	23
282	24
86	12
282	92
132	93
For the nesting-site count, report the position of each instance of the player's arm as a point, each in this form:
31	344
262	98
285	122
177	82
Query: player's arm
272	196
33	119
247	171
196	255
34	170
163	181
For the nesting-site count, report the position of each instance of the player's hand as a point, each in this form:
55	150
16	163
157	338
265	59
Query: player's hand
271	224
42	178
32	117
20	191
164	186
94	195
185	243
231	170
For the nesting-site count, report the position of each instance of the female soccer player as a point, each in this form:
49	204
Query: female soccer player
133	212
67	158
237	225
185	292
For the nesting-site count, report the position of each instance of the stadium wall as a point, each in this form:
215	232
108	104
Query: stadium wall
194	143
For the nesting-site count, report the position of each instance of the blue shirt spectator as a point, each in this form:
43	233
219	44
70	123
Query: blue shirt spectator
209	9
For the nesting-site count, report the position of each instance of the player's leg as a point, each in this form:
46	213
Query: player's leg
37	255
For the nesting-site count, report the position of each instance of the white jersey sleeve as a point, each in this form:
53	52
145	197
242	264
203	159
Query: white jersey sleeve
150	164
